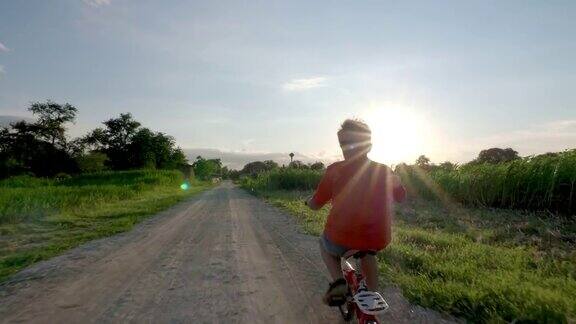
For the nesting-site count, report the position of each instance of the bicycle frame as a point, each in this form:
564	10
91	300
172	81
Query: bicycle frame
354	277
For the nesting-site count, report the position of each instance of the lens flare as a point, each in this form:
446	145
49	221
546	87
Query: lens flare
185	186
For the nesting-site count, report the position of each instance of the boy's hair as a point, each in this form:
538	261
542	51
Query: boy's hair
356	126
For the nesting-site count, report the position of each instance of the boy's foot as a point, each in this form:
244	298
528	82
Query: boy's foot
336	294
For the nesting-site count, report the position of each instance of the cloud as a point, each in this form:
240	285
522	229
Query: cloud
1	71
304	84
3	48
97	3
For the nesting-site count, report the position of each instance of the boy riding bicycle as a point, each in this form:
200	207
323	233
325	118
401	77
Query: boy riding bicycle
362	193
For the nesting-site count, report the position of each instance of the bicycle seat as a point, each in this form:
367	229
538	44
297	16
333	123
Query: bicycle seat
358	254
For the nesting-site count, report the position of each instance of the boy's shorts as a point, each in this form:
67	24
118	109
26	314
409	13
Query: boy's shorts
332	248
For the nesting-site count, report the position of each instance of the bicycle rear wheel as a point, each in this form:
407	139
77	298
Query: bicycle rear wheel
347	311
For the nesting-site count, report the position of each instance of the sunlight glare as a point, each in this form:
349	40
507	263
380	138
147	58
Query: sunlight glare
399	134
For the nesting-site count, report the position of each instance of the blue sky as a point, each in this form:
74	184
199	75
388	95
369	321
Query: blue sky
279	76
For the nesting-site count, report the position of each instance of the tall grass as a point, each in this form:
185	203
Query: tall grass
283	179
40	218
546	182
28	198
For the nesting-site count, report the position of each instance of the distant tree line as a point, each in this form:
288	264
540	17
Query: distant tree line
42	148
253	169
490	156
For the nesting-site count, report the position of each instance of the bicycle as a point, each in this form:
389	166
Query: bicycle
358	296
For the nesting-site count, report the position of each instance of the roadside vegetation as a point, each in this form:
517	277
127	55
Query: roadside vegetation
57	192
543	182
41	217
452	251
42	148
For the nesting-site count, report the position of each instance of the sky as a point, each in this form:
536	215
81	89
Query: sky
441	78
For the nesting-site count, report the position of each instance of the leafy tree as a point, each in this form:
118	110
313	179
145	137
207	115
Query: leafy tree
254	168
42	147
24	147
128	145
206	169
114	140
51	120
155	150
319	166
270	165
423	161
297	165
496	155
120	130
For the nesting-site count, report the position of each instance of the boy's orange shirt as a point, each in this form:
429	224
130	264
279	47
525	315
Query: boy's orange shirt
362	196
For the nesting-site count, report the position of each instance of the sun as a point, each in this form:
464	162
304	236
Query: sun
399	134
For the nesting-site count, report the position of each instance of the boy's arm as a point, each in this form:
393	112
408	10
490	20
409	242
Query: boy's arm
323	193
312	204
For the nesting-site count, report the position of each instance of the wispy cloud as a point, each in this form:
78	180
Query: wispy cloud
1	71
97	3
3	48
304	84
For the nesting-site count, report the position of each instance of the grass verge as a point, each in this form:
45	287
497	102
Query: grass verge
41	218
483	265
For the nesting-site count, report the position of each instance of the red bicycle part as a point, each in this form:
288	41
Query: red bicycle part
354	278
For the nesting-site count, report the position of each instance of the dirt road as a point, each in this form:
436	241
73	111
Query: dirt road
223	256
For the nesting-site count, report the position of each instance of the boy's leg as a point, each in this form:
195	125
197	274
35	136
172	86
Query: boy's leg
332	263
338	288
369	266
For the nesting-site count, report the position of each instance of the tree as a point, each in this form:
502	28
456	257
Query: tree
25	149
129	146
51	120
206	169
114	140
155	150
496	155
270	165
254	168
291	157
423	161
319	166
296	164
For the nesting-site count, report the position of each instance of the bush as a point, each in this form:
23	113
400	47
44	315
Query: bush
62	176
283	179
92	162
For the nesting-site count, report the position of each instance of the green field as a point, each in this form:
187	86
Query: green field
485	265
40	218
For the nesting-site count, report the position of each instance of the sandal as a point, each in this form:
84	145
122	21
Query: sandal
336	294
